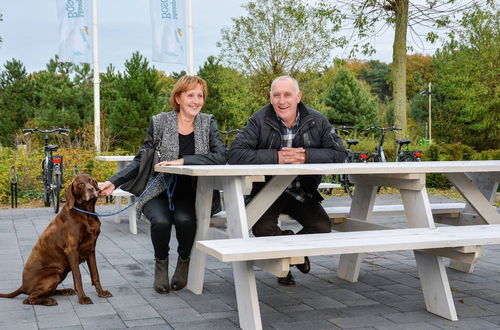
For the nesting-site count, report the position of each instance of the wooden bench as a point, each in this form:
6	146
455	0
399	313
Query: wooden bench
246	252
118	194
339	213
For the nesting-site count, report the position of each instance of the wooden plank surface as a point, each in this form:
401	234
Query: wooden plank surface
115	158
343	211
273	247
335	168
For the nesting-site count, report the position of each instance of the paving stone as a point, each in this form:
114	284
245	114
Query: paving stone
147	322
181	315
50	321
218	324
388	290
137	313
361	321
315	324
102	322
409	326
466	323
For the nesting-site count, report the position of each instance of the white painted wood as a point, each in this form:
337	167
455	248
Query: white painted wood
476	199
132	220
286	246
196	274
326	185
387	180
132	211
435	285
362	205
432	274
115	158
417	208
278	267
118	207
246	295
464	267
244	277
470	258
266	197
237	226
335	168
336	212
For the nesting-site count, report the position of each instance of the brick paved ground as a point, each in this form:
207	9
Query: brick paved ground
387	296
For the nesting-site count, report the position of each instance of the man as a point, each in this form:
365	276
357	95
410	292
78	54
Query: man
288	132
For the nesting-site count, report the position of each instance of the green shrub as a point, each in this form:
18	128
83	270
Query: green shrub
28	166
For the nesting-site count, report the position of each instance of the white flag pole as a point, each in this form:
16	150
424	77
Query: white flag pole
97	112
189	52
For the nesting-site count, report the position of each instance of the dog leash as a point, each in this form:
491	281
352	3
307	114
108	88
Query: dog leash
131	204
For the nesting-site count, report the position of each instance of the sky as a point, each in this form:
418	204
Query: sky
30	32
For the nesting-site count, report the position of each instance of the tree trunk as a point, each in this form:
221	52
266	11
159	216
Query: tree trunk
399	64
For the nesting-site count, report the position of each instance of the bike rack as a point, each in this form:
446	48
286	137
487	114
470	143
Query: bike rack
13	178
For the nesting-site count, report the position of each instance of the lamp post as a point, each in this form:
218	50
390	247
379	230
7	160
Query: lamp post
429	93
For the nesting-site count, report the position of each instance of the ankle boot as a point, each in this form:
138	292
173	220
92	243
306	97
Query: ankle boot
161	276
179	280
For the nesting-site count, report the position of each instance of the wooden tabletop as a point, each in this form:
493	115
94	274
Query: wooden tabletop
115	158
335	168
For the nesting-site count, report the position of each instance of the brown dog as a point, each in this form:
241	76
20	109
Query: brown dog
68	240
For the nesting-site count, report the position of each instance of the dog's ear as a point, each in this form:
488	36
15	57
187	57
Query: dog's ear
96	185
70	199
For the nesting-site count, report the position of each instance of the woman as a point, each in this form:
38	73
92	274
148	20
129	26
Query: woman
187	137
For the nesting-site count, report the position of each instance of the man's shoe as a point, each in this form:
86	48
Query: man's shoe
305	267
288	280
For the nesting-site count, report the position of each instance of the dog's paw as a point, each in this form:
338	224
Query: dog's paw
65	292
104	294
85	300
50	302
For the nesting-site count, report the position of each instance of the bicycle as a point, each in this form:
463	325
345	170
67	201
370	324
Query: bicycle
352	157
228	133
406	155
379	156
52	167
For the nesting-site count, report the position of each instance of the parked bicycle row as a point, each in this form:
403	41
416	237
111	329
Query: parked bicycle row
403	154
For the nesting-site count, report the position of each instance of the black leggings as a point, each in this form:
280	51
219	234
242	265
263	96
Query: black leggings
183	218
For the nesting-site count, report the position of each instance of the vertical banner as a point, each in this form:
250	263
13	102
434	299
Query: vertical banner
75	19
168	18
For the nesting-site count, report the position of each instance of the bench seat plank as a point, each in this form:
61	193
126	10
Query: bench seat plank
274	247
335	212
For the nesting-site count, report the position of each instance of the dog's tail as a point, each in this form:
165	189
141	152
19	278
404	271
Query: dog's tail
12	294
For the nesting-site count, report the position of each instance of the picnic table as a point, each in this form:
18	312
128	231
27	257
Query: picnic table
277	253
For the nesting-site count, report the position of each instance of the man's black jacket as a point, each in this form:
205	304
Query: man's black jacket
260	141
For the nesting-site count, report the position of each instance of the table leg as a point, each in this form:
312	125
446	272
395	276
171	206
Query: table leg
244	277
477	199
433	277
361	209
196	274
118	207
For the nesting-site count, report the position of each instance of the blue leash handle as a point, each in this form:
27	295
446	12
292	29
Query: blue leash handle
170	192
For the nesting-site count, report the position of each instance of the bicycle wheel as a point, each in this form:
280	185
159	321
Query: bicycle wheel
55	192
46	184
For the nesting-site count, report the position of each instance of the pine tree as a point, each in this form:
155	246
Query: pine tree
348	103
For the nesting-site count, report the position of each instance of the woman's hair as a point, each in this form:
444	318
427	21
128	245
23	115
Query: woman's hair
184	84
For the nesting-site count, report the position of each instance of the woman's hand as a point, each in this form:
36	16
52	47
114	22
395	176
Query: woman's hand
106	188
179	161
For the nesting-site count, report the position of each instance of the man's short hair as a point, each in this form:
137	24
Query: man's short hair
294	81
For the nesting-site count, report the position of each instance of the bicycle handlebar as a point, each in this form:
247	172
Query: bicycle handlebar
59	130
390	128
